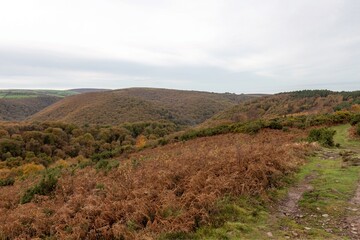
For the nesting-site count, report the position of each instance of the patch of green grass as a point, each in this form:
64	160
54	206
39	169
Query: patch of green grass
287	228
342	136
333	187
245	217
177	236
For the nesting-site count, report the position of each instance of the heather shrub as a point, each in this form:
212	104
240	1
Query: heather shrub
103	155
222	129
355	119
274	124
342	106
13	162
85	163
251	127
190	135
316	120
44	187
163	141
106	165
7	182
324	136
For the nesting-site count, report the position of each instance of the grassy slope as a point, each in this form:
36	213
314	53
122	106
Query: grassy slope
341	138
249	218
139	104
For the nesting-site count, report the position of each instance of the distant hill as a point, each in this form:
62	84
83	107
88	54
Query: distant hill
17	109
139	104
20	93
87	90
291	103
18	104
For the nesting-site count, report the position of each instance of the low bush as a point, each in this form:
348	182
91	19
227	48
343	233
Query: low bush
324	136
107	165
7	182
341	117
355	119
44	187
222	129
358	129
251	127
103	155
274	124
341	106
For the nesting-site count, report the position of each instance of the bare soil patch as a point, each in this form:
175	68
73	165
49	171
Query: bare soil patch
289	206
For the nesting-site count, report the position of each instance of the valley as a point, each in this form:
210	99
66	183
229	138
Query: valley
180	120
17	104
167	164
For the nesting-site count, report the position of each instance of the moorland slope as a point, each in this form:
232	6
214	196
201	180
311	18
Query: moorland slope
65	181
286	104
139	104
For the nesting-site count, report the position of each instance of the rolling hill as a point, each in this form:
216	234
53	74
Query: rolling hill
139	104
291	103
87	90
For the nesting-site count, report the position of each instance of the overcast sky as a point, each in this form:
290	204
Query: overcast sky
239	46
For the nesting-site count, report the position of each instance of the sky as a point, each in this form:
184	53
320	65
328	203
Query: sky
238	46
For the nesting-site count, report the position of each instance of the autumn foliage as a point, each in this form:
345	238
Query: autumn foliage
167	189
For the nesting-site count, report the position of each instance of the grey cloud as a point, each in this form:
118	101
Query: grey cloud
259	46
59	71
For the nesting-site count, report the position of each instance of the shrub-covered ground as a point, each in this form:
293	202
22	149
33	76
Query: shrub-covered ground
173	188
66	181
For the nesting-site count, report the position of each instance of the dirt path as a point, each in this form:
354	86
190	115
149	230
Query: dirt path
289	207
351	224
353	220
325	212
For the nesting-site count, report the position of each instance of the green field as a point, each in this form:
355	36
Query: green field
16	94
